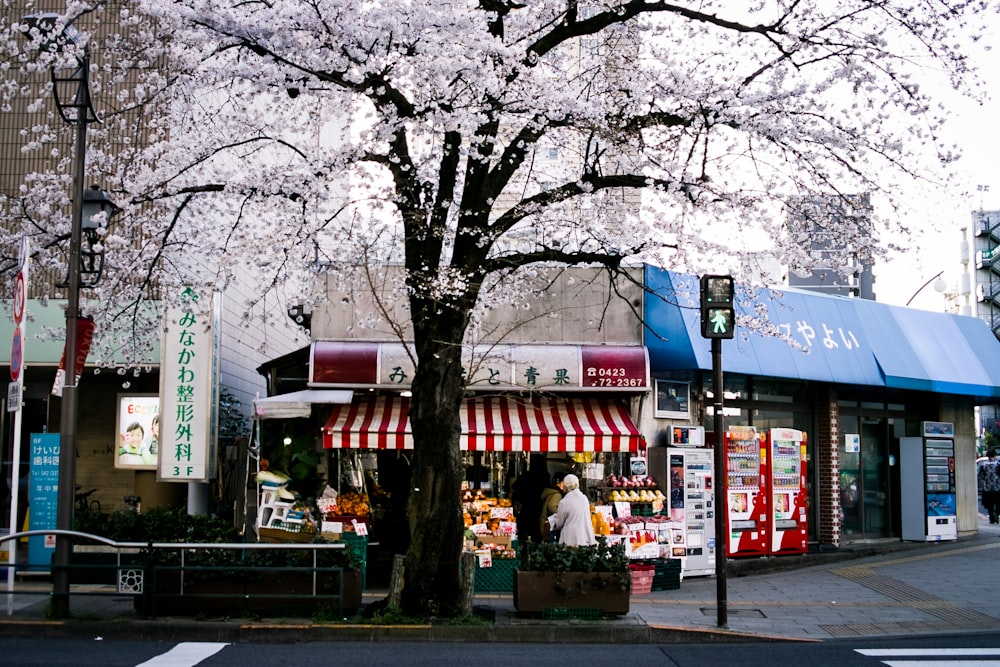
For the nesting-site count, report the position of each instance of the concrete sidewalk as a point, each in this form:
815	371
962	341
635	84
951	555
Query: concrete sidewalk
876	589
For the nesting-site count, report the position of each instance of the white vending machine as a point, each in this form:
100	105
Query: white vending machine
927	480
685	473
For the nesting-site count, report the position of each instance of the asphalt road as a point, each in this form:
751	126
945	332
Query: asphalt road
967	650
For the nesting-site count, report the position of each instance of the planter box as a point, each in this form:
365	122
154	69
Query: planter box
536	592
283	594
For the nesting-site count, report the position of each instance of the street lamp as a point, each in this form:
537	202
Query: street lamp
98	209
939	286
91	208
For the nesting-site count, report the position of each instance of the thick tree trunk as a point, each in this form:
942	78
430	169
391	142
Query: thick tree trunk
432	576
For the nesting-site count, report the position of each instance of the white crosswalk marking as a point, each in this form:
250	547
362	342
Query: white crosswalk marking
185	654
941	663
952	656
908	652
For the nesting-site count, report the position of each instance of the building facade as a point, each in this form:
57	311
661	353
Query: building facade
829	366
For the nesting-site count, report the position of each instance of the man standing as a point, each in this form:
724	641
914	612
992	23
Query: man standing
989	484
526	494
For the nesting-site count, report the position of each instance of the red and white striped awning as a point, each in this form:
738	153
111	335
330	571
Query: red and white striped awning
499	423
369	423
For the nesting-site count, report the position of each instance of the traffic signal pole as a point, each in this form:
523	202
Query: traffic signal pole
718	322
721	483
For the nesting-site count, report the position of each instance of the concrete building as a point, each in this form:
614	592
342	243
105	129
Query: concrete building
243	343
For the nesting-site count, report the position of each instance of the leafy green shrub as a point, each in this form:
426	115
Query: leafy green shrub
554	557
172	524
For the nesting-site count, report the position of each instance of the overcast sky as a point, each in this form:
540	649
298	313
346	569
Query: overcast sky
975	129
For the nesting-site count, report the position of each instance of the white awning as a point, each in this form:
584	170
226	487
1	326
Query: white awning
298	403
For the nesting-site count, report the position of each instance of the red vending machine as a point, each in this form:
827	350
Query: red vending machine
787	491
747	516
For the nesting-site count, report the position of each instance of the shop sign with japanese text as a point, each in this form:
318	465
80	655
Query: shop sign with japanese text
187	389
497	367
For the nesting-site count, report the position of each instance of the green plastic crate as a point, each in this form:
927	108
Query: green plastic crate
667	574
566	613
359	545
496	579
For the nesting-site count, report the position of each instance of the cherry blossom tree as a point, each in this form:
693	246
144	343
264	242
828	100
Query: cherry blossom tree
472	141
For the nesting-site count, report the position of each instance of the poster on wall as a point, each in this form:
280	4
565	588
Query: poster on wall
138	435
673	399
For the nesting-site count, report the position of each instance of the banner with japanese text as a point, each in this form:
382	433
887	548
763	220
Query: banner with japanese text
188	389
43	497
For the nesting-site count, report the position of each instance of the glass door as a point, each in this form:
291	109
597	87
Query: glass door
875	485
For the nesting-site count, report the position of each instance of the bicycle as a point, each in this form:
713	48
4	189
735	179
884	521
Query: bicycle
84	504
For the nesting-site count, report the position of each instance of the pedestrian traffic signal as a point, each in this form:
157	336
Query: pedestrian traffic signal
718	316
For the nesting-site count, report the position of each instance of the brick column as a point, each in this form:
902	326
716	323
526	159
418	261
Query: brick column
827	449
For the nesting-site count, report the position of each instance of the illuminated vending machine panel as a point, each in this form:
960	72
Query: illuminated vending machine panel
699	517
927	480
746	493
941	509
788	492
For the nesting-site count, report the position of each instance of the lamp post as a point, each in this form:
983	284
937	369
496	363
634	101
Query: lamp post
72	97
939	286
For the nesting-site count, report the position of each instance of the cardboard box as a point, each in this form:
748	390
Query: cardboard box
499	540
277	536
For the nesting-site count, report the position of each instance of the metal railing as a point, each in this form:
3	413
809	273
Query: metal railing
988	226
987	257
162	575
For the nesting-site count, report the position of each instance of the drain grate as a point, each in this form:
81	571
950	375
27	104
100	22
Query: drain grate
742	613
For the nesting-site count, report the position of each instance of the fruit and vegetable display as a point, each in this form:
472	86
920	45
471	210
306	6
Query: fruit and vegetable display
633	496
633	482
634	489
351	504
498	551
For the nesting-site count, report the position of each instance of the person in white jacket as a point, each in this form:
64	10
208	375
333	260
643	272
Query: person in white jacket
572	519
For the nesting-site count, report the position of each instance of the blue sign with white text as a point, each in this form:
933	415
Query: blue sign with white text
43	497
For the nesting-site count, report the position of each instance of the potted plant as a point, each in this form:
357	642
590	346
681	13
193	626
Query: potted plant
556	576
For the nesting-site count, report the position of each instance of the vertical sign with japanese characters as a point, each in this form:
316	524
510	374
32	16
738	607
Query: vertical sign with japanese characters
43	496
187	389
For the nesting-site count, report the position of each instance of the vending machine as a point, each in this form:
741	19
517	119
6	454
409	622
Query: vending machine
927	481
787	492
747	509
685	472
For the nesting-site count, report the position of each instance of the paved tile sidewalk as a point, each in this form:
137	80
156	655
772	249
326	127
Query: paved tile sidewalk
885	588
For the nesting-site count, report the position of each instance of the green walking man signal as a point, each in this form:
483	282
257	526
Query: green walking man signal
718	317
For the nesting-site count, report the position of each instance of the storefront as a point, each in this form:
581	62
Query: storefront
571	404
855	375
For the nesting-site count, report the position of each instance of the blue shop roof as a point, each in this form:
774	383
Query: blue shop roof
809	336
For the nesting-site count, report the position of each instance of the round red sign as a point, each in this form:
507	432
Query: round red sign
20	296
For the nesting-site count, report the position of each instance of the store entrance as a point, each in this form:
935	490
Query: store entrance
866	484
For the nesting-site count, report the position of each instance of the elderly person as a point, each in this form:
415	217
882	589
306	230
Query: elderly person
572	518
